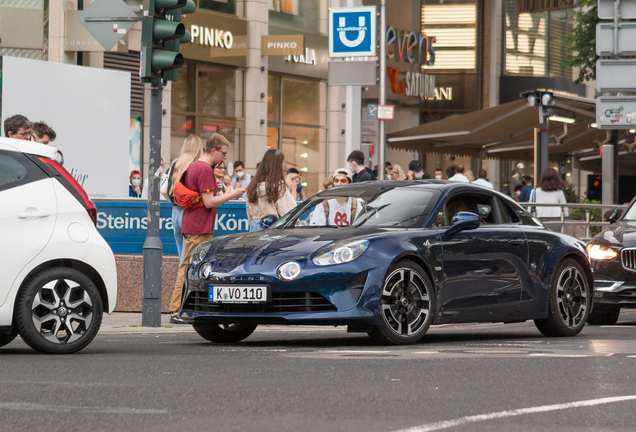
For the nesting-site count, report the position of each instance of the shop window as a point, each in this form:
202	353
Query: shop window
453	23
536	42
301	14
273	98
304	149
216	90
183	89
180	127
225	6
301	101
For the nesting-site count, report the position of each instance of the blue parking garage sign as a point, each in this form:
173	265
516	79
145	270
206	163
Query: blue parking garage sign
352	32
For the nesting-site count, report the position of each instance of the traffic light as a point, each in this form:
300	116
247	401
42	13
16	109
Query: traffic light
162	32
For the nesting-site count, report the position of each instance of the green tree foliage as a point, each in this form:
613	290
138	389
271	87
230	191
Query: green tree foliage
582	41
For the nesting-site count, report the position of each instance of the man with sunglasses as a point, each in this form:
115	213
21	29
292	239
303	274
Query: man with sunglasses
197	225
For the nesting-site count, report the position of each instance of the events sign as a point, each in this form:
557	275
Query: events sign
352	32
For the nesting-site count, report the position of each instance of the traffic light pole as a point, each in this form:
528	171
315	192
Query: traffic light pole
151	308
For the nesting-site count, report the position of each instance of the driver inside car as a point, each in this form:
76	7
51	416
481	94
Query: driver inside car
337	211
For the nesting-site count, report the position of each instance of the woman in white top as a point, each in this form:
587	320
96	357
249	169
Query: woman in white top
550	191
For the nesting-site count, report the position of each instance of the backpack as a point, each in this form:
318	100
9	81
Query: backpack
354	209
186	198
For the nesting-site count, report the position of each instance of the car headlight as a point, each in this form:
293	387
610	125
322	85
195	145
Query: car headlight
289	271
199	253
342	253
206	270
598	252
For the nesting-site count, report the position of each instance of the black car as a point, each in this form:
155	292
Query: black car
613	257
407	255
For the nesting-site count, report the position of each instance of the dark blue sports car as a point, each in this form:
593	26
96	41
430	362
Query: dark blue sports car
390	259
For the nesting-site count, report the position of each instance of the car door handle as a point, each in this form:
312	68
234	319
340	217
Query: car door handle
516	242
39	214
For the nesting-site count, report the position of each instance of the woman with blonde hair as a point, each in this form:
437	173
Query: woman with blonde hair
397	173
293	180
267	193
191	151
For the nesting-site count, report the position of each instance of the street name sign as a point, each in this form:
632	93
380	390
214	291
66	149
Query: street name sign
108	21
352	32
386	112
626	39
615	75
616	112
626	9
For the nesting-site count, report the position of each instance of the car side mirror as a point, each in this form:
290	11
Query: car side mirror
267	221
463	221
616	214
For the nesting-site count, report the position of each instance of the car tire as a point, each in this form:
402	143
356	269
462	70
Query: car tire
412	304
7	338
569	301
59	311
604	316
224	333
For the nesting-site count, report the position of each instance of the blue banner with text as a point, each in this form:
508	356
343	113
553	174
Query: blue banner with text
123	224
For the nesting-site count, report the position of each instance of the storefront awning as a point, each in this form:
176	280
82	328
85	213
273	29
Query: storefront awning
507	131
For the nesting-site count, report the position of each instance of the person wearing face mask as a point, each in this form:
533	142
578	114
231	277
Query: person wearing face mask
241	179
134	190
438	173
415	171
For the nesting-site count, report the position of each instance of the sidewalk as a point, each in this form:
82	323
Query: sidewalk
130	322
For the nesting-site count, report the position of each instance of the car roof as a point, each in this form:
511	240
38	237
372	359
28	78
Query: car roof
29	147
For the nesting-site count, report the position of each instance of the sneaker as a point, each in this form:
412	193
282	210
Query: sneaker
176	319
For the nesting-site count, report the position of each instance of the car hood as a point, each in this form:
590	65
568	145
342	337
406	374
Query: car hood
619	234
278	245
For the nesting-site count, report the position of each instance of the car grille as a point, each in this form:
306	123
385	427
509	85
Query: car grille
628	258
282	302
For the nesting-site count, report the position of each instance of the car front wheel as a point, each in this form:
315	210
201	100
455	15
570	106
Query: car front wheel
224	333
569	301
406	305
59	311
606	317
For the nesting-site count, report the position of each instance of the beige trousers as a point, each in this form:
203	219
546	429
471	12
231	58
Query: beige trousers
191	243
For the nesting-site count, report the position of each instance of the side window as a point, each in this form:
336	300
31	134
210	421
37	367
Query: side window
440	220
16	169
507	213
482	205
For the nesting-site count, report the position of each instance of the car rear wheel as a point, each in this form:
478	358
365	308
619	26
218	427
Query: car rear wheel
59	311
406	305
224	333
606	317
569	302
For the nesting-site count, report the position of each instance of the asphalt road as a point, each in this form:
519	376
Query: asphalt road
490	377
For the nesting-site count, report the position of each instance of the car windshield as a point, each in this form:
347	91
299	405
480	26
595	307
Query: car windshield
379	206
630	213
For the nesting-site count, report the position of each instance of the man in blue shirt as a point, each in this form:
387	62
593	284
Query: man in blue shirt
526	190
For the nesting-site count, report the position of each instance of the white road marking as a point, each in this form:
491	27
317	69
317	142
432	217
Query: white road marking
447	424
634	356
426	352
355	352
23	406
558	355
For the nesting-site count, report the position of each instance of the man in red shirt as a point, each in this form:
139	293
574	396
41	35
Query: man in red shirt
197	226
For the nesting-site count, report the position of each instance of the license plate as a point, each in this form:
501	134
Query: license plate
238	294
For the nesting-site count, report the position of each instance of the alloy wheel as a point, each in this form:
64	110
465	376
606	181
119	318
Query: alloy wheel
406	302
62	311
572	293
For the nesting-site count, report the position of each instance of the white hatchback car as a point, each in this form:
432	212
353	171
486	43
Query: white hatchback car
57	273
